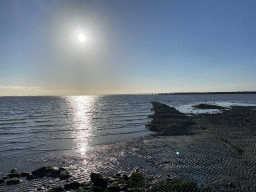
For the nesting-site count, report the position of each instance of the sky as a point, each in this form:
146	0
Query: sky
130	46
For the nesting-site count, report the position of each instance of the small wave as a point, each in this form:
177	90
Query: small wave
12	120
130	132
15	149
10	133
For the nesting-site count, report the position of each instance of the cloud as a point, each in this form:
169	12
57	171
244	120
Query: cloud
21	88
18	90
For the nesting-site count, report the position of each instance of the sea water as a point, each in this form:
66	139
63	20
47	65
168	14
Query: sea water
33	127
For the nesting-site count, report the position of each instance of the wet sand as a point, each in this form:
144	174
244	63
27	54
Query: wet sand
220	151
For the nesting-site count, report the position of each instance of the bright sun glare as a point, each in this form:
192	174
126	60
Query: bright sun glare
81	37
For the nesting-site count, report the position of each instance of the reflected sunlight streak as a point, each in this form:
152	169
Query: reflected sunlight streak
82	107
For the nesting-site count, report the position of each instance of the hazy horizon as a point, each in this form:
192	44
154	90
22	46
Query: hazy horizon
101	47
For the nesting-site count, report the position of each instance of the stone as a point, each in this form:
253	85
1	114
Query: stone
113	188
13	181
98	180
14	170
25	173
57	189
30	177
11	175
4	177
40	172
64	175
96	189
2	181
54	173
73	185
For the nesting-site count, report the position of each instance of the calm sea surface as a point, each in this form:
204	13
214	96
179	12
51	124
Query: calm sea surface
32	127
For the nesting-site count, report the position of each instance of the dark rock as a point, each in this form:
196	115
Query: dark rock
136	180
14	170
73	185
126	178
96	189
4	177
2	181
113	188
57	189
98	180
54	173
11	175
169	121
25	173
13	181
42	171
87	185
62	168
30	177
64	175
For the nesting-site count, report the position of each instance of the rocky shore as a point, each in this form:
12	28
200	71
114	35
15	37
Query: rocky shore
135	182
201	152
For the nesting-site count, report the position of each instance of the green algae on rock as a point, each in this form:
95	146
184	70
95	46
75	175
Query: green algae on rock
13	181
24	174
64	175
11	175
2	181
73	185
98	180
57	189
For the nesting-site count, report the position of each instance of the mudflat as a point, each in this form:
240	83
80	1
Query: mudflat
216	151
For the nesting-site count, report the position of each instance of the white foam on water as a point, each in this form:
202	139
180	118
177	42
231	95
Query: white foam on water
190	110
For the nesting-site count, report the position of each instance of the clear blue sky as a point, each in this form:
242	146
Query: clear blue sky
131	46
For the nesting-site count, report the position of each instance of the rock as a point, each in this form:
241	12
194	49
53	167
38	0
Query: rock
2	181
62	168
13	181
169	121
136	180
113	188
73	185
98	180
96	189
57	189
64	175
42	171
14	170
11	175
87	185
30	177
25	173
4	177
54	173
126	178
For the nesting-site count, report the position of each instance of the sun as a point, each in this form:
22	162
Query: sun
81	37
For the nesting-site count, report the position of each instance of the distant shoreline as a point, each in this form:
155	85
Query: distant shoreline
195	93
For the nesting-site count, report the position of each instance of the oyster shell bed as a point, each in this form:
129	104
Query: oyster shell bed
202	157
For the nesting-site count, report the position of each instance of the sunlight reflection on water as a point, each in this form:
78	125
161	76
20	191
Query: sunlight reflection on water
82	107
